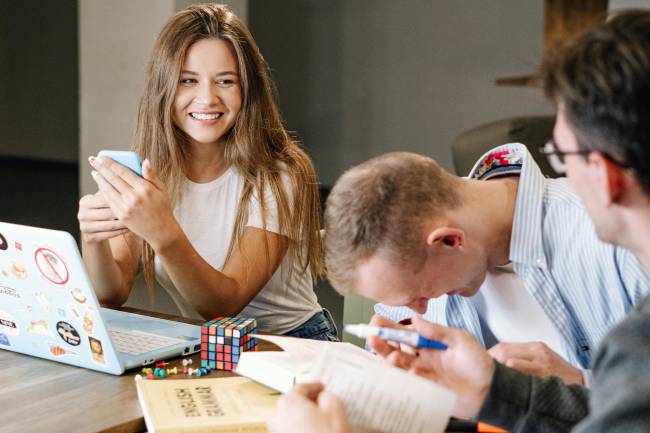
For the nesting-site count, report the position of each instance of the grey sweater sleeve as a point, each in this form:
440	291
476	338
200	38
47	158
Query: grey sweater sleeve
620	399
520	402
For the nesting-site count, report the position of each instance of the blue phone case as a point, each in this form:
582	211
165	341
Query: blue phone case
127	158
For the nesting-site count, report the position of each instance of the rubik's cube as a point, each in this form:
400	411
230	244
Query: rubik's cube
224	338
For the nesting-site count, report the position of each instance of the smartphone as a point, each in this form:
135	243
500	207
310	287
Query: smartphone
127	158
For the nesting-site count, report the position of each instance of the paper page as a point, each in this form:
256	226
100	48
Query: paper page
384	398
281	370
274	369
305	351
302	350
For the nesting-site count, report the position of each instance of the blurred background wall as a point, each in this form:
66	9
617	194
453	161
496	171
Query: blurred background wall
366	77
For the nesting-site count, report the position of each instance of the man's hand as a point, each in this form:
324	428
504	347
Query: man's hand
383	347
309	409
465	367
537	359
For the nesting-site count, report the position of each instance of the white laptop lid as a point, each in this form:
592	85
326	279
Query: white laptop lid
47	306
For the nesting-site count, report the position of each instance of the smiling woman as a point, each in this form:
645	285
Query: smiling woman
213	218
208	97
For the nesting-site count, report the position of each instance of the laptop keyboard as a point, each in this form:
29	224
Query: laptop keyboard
137	343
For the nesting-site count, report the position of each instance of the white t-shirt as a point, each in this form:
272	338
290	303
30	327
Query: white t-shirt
206	213
511	312
513	316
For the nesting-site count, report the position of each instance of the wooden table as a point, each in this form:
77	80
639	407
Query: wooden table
37	395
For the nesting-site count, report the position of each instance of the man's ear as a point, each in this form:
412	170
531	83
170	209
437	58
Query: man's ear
609	178
450	237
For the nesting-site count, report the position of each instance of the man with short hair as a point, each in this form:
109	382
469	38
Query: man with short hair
601	83
515	252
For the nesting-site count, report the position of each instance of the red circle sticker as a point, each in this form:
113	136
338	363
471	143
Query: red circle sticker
51	266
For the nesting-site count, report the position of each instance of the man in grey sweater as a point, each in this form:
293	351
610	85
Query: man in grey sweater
601	84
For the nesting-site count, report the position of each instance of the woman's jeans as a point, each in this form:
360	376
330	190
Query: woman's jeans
319	327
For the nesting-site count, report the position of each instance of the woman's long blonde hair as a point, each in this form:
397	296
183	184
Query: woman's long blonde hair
258	144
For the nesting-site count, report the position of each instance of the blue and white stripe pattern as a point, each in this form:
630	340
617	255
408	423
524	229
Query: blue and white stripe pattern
583	285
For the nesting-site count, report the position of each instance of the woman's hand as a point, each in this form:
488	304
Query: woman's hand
97	221
140	204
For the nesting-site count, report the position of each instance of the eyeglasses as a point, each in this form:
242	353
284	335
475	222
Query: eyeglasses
556	157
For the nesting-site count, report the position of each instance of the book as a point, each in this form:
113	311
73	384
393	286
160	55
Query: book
282	370
215	405
277	370
377	396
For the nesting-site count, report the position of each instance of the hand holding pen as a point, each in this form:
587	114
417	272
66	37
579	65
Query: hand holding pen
465	367
396	335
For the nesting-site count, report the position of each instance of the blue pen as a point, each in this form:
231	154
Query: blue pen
413	339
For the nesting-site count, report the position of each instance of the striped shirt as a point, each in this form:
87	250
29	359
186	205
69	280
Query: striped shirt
583	285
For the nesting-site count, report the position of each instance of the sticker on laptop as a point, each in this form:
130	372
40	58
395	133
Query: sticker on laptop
96	350
8	291
88	322
68	333
28	309
74	311
3	243
39	327
78	295
61	351
4	340
51	266
8	324
42	299
18	270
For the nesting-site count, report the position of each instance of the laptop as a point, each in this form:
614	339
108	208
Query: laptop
48	309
